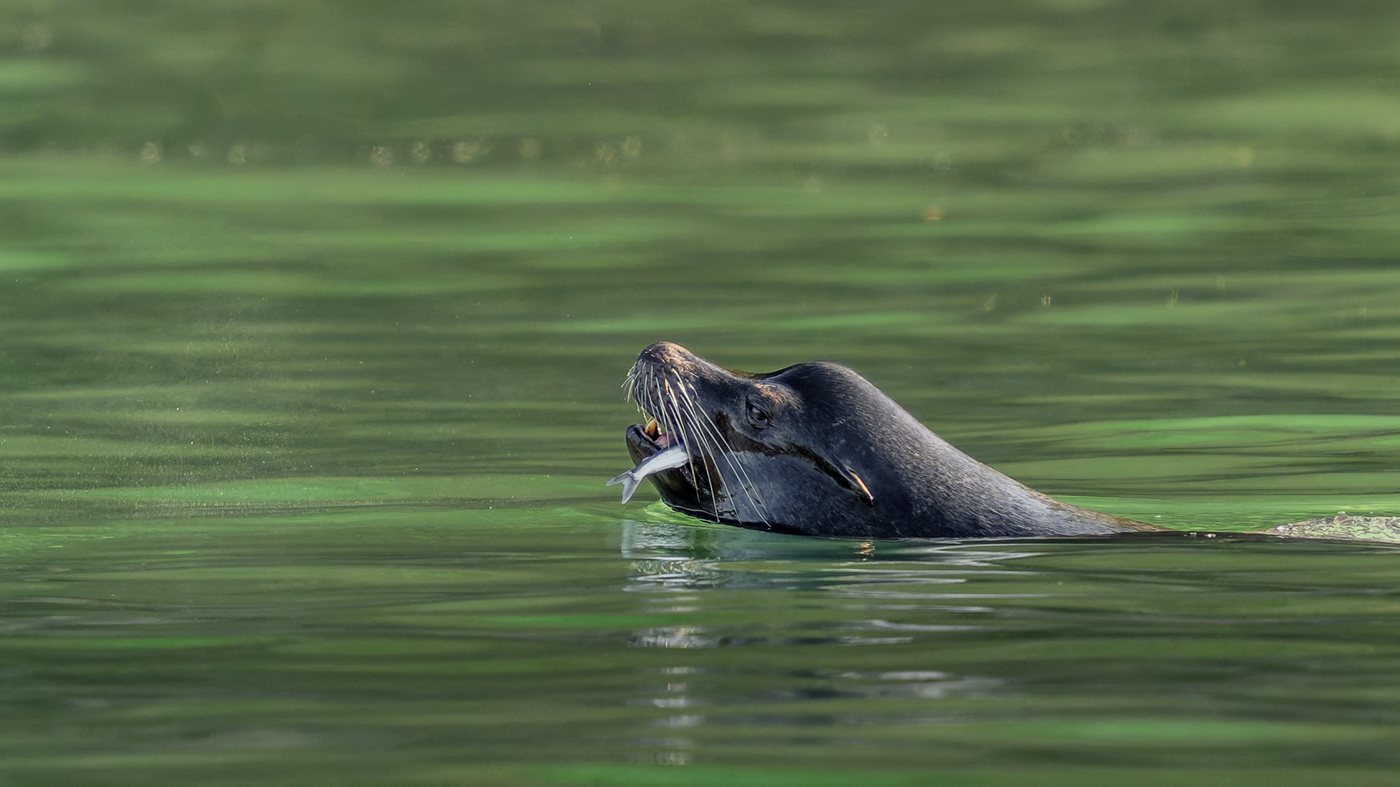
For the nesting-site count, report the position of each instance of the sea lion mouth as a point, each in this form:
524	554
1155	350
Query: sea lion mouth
649	436
656	433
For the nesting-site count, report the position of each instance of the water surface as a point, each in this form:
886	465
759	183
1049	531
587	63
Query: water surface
313	322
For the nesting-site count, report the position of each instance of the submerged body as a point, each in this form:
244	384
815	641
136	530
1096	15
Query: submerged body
817	449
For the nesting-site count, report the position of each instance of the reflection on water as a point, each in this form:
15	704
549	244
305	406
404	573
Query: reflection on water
707	573
676	637
915	685
668	556
673	696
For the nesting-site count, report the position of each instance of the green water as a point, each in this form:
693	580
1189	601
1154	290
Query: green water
313	321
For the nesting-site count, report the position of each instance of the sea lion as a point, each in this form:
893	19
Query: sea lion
817	449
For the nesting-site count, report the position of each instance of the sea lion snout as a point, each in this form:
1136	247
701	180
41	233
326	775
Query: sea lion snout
666	354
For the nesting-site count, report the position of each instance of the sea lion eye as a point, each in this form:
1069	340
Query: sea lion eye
758	417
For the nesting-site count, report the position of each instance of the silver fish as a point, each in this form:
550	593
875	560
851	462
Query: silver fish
675	456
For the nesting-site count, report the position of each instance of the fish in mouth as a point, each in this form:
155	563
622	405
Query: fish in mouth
817	449
675	456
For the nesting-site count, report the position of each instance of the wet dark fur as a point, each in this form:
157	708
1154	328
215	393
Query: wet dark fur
816	449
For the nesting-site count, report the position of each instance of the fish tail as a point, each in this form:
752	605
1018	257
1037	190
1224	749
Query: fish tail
629	484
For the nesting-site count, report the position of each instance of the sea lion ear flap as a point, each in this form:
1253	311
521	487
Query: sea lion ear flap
856	485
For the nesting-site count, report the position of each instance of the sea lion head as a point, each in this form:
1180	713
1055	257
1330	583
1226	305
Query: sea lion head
787	450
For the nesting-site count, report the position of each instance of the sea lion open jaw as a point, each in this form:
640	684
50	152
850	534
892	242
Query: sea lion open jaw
817	449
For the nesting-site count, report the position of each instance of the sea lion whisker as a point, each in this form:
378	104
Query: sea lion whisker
681	429
706	447
671	416
735	462
696	446
748	486
707	421
641	390
666	417
695	439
